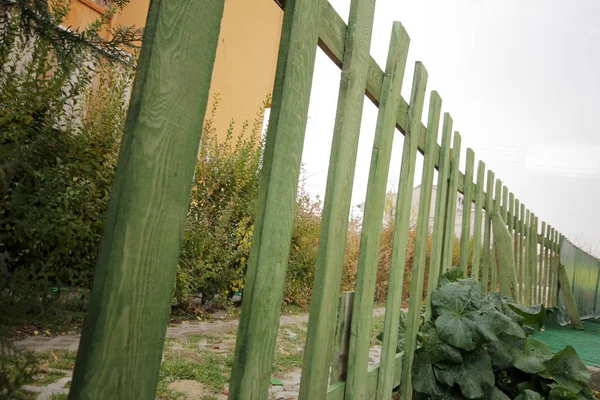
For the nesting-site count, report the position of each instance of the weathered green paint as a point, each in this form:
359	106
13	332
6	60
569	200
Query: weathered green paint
336	206
419	263
546	268
122	340
504	214
439	212
567	293
541	265
337	390
489	209
475	259
391	94
506	260
341	341
494	261
401	227
512	217
534	260
269	254
465	236
527	250
555	248
522	244
451	204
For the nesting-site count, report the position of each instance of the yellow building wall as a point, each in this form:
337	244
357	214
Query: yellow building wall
244	69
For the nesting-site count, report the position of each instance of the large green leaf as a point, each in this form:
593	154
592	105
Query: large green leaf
474	375
562	393
496	394
433	350
532	357
529	395
459	330
567	370
534	316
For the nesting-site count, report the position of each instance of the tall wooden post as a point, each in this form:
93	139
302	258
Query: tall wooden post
122	341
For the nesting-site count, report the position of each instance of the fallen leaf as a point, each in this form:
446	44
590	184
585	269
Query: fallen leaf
276	382
35	332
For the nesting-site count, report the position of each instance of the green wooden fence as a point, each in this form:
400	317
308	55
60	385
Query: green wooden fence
123	338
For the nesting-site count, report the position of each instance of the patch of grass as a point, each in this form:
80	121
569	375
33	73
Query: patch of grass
59	396
292	309
376	329
284	362
60	359
67	385
24	395
49	377
207	370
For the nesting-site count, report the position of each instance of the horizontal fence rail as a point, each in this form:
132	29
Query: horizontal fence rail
501	242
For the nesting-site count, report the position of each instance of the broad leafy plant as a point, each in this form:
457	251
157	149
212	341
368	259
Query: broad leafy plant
478	347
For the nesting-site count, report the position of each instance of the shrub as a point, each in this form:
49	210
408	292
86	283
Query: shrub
220	219
62	109
477	347
17	368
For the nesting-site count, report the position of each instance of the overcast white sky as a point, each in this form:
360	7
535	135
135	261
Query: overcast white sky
521	81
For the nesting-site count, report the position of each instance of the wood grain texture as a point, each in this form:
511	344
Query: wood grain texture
541	265
506	260
513	232
122	340
479	198
337	390
505	206
451	204
534	259
269	254
336	206
494	259
487	235
527	257
465	236
341	341
373	214
420	255
439	219
397	55
522	245
554	271
402	223
546	264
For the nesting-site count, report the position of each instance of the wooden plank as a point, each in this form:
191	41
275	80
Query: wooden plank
401	227
504	214
534	261
465	237
526	251
546	269
336	206
479	197
269	254
512	229
439	213
337	390
506	260
451	205
420	255
494	261
373	216
522	244
341	341
555	252
487	235
122	340
567	293
332	31
541	266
